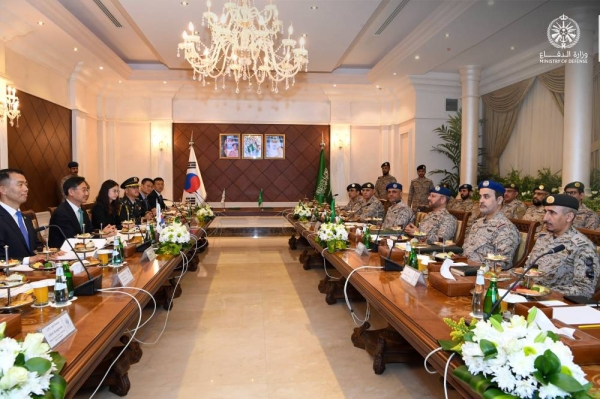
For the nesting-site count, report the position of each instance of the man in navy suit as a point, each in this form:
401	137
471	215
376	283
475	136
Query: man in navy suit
16	230
69	215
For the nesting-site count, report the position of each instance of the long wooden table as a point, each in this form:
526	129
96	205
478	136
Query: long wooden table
415	312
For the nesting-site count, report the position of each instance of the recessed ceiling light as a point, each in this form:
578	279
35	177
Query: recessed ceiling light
512	47
184	3
164	82
490	2
75	49
40	23
334	85
377	87
394	73
417	57
120	82
304	35
447	35
314	7
101	68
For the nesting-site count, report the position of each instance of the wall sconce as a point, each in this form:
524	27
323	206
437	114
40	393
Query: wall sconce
9	107
340	143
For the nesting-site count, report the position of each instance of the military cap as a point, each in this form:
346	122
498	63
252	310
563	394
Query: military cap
355	186
72	164
385	164
368	185
421	167
466	186
131	182
562	200
497	187
576	185
394	185
541	187
511	185
441	190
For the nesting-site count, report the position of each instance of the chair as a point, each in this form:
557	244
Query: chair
527	230
51	209
33	217
88	208
461	226
594	236
419	216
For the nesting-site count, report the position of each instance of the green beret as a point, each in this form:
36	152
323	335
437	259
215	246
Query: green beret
466	186
541	187
368	185
355	186
576	185
385	164
511	185
562	200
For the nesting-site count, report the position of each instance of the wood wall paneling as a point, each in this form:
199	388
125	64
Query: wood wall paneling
41	147
281	180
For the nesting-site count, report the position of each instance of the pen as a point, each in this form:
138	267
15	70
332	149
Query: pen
589	326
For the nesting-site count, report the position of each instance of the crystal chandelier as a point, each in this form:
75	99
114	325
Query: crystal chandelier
244	44
10	106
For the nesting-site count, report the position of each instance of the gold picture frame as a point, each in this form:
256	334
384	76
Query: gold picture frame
274	146
252	146
229	146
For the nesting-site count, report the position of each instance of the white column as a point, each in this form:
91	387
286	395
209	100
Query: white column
577	136
470	76
161	153
339	151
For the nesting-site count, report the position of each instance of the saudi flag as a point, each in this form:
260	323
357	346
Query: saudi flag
323	190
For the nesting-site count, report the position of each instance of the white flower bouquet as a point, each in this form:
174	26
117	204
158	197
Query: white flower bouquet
334	235
28	369
302	212
173	239
204	213
515	359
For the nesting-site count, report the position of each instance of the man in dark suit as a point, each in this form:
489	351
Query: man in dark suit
69	215
146	188
155	196
16	230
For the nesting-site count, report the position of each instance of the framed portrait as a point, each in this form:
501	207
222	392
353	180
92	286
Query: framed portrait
274	146
229	146
252	146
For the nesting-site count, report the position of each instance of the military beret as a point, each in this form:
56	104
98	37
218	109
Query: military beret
576	185
497	187
355	186
421	167
441	190
394	185
385	164
541	187
131	182
562	200
368	185
467	186
511	185
72	164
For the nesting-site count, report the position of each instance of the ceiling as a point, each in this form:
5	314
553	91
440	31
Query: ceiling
364	41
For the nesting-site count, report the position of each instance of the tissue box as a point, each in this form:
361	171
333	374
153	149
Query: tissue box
522	309
384	253
80	278
462	286
13	324
585	348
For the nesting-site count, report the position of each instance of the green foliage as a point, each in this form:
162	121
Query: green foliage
450	148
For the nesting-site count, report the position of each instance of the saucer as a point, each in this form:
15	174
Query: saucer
55	305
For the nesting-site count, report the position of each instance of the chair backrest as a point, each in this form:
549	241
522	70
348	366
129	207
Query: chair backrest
527	230
461	226
31	214
594	236
419	217
51	209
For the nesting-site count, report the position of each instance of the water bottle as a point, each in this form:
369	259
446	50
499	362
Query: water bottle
117	258
69	279
152	235
61	295
491	297
413	261
477	303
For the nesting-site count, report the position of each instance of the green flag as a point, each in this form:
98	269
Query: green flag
323	189
260	199
333	210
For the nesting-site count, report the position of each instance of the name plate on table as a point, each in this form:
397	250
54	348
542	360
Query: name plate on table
149	254
125	277
58	329
412	276
361	249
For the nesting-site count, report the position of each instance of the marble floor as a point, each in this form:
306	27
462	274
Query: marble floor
252	324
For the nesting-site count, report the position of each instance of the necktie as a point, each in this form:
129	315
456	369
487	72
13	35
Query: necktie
81	219
21	224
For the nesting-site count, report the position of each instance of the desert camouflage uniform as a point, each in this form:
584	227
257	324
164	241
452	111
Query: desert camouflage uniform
496	236
439	223
353	205
398	214
370	209
586	219
573	271
418	193
514	209
467	205
381	183
536	213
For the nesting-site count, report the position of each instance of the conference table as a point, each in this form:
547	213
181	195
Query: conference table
416	313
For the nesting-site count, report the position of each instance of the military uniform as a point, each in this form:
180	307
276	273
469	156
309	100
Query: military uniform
398	214
573	271
419	191
496	236
514	209
353	205
439	223
380	186
467	205
129	210
370	209
536	213
586	219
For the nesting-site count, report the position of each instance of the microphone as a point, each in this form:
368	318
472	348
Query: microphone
554	250
390	265
93	284
380	227
40	229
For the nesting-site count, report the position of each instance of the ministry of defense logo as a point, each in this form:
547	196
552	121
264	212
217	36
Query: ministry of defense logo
563	32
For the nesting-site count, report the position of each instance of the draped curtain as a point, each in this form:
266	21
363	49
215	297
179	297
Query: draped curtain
555	82
595	163
500	109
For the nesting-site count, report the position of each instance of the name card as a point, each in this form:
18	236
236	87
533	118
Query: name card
412	276
125	277
149	254
361	249
58	329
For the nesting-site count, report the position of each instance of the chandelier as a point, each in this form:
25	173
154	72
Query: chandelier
10	106
244	44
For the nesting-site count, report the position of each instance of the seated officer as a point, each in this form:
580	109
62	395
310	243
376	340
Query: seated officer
398	214
355	198
371	207
573	271
586	218
536	210
439	224
513	207
131	207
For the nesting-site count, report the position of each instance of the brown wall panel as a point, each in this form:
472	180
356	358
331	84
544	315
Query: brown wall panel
41	147
281	180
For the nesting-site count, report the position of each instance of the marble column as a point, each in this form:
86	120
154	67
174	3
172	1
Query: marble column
577	136
469	76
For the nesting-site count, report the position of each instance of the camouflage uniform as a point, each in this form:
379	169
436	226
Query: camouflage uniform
496	236
419	191
586	219
370	209
439	223
514	209
353	205
467	205
536	213
573	271
398	214
381	183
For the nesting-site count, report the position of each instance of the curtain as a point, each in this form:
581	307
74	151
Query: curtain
595	162
501	109
555	82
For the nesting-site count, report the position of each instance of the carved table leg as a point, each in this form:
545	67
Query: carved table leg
313	261
292	242
334	290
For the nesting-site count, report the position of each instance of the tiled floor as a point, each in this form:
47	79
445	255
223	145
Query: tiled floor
251	324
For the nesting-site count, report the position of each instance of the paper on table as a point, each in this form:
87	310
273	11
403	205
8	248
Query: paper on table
445	270
544	323
577	315
21	268
16	291
459	264
553	302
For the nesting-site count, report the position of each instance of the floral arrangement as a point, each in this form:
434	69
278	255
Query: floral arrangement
29	369
335	235
515	359
204	213
173	239
302	212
